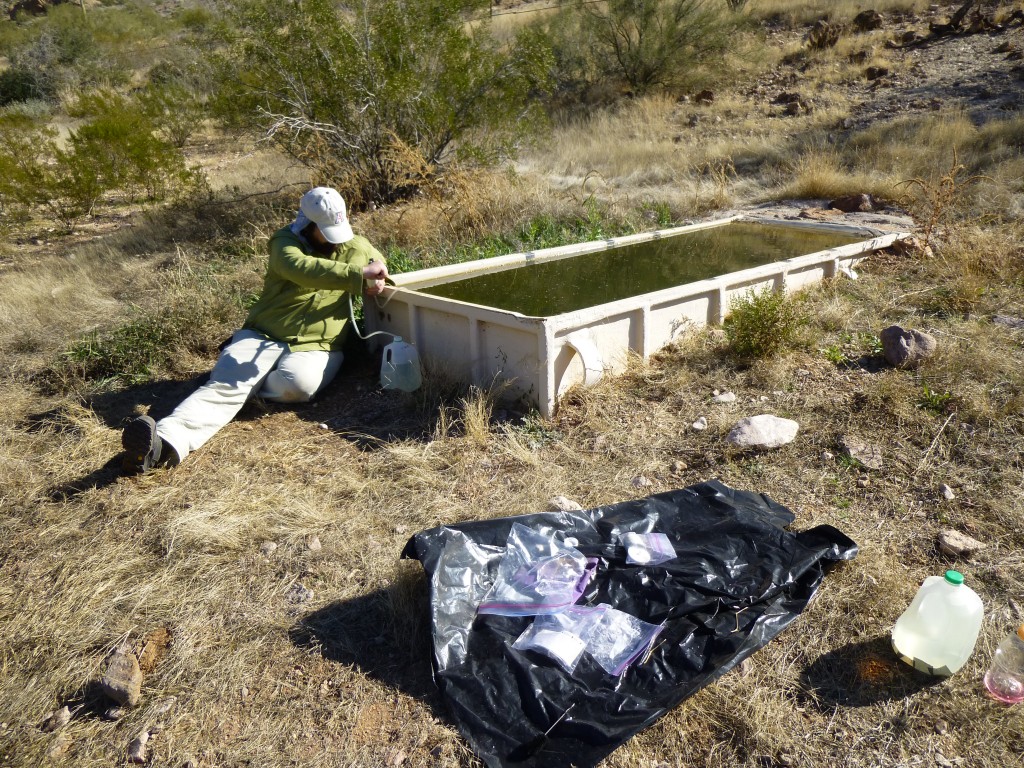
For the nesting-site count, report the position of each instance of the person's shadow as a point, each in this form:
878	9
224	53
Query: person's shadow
862	674
385	633
353	406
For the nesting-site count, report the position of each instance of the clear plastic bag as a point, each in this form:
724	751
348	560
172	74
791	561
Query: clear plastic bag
647	548
562	636
619	639
537	575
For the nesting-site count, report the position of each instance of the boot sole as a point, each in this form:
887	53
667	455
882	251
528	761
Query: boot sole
138	439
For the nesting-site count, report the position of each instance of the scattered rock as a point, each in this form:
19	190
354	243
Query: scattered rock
764	431
163	706
942	761
57	719
827	456
941	727
299	594
947	492
958	544
863	481
906	348
154	647
137	749
267	548
866	21
793	108
563	504
114	713
314	545
122	681
400	529
912	246
725	397
1010	322
868	455
876	73
787	760
705	97
859	203
700	424
823	35
61	744
679	466
641	482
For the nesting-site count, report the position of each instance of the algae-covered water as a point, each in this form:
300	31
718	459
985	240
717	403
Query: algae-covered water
565	285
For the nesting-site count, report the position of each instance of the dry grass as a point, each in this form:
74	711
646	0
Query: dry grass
265	674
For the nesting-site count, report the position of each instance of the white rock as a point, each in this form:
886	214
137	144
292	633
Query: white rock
641	482
700	424
827	456
56	719
563	504
947	492
725	397
958	544
314	544
267	548
137	749
764	431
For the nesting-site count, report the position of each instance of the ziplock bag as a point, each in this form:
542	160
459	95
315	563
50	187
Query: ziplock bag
537	574
563	636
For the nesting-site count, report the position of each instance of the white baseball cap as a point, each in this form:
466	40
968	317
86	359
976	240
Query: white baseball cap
326	208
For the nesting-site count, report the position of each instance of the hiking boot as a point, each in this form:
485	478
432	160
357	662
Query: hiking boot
142	446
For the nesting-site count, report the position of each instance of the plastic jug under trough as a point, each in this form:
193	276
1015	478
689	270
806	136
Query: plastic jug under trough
937	633
400	366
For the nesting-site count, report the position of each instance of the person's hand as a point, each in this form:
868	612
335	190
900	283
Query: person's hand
374	274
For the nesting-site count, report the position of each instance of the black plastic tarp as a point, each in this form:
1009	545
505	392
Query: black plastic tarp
738	580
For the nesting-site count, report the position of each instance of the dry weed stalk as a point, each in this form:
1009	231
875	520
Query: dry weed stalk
939	199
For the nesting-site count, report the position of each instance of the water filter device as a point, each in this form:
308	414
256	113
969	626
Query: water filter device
400	366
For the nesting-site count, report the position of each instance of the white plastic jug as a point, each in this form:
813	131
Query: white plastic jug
400	366
937	633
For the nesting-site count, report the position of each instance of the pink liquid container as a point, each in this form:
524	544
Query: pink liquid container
1005	678
937	633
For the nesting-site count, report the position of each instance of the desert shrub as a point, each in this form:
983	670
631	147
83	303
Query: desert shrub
643	43
175	110
351	95
115	151
762	323
19	84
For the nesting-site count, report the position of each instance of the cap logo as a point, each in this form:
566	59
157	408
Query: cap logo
339	217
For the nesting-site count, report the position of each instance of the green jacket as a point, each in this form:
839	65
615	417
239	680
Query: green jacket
304	302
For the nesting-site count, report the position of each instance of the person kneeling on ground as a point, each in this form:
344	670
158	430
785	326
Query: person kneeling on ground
290	345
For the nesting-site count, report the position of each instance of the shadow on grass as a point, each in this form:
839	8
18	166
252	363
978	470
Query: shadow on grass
385	634
862	674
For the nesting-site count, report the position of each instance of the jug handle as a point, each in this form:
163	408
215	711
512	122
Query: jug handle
387	354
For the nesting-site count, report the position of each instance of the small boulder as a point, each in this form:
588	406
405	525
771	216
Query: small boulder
859	203
958	544
137	749
947	492
823	35
700	424
122	682
705	97
764	431
869	456
876	73
866	21
724	397
57	719
906	348
563	504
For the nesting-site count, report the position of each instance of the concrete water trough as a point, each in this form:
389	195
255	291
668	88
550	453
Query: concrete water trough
495	337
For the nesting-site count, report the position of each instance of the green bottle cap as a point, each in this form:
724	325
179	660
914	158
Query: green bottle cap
955	577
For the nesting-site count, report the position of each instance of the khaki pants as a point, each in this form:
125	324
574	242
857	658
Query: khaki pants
251	363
